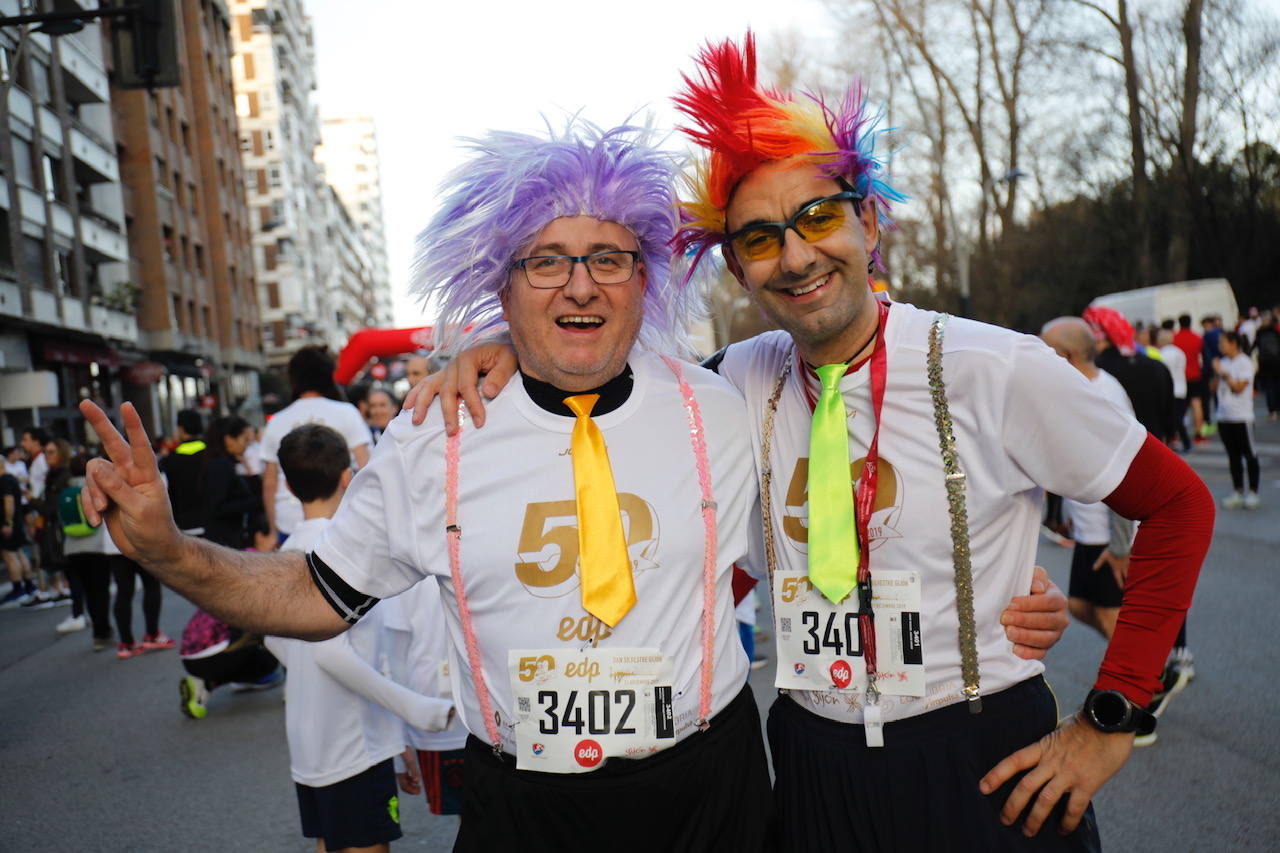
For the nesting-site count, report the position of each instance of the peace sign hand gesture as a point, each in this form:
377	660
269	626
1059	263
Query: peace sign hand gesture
126	492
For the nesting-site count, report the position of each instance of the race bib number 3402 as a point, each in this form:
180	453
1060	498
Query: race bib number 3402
819	647
575	710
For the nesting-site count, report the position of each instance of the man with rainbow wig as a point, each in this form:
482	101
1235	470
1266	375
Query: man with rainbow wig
583	542
904	720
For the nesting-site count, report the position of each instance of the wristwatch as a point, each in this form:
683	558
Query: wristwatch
1111	711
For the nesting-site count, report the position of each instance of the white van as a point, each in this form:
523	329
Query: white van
1199	298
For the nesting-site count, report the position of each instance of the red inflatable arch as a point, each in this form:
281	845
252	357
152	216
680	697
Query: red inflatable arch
368	344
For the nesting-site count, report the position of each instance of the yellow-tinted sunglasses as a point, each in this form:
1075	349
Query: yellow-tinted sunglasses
763	240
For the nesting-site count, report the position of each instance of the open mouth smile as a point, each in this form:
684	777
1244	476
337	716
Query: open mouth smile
580	322
806	289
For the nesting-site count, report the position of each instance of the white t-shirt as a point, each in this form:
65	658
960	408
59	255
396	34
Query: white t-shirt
18	469
342	417
1023	418
37	475
517	515
1236	407
1091	522
418	657
335	732
1176	360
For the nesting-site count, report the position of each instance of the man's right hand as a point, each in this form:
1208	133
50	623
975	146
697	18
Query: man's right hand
125	490
495	361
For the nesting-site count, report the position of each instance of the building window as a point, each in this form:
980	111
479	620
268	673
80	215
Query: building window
246	143
22	163
178	319
167	235
275	177
186	255
248	66
199	250
162	172
273	295
245	24
208	323
277	333
33	260
258	147
193	198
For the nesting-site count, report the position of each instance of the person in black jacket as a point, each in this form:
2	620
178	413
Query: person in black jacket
184	468
228	500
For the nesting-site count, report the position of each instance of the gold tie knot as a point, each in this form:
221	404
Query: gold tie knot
582	404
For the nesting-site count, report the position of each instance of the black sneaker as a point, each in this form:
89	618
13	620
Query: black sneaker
38	601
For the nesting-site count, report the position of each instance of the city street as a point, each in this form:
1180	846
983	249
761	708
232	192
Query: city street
94	754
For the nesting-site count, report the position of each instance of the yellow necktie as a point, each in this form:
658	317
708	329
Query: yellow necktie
604	565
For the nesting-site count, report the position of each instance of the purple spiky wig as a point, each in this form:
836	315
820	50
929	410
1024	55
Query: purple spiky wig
740	125
496	203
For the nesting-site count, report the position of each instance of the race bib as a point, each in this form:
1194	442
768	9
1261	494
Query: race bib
819	647
574	710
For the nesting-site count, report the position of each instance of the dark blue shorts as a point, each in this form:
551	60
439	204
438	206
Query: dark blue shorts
360	811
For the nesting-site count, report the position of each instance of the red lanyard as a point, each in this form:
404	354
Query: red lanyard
865	497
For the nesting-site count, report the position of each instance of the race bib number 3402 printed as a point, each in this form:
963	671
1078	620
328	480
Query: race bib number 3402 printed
818	643
574	710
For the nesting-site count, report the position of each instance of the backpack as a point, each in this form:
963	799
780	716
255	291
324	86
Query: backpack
71	513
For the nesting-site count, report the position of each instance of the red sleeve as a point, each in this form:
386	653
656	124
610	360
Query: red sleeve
1176	511
743	583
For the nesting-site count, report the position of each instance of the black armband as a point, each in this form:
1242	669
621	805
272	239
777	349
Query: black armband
712	362
349	603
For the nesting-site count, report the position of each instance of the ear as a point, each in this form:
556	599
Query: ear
870	226
734	267
345	479
502	298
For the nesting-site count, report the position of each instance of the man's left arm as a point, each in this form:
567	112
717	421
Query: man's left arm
1176	511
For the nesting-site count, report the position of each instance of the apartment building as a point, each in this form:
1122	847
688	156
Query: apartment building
189	228
274	70
349	155
68	294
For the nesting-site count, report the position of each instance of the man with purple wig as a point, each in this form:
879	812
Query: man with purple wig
583	542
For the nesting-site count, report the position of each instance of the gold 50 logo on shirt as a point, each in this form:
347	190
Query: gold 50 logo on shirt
547	564
575	710
885	513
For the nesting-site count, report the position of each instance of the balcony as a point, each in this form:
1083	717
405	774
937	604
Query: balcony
32	205
50	128
20	106
114	325
94	160
85	79
102	243
63	222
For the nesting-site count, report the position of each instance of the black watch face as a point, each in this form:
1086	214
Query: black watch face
1109	710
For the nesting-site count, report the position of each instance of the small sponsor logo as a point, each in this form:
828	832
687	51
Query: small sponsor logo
799	668
538	748
588	753
841	674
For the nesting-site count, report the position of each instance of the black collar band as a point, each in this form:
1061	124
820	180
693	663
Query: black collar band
612	394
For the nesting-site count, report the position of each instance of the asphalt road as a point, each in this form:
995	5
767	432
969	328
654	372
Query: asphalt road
94	754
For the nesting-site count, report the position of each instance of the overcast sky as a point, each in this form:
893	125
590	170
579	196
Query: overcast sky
431	72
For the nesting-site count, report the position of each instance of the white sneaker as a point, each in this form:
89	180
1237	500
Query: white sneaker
72	624
1234	501
1251	500
1184	662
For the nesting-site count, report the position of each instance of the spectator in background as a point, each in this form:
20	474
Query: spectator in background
1197	387
13	536
82	547
316	399
1235	419
15	464
416	369
358	396
1146	381
382	408
1267	346
1211	325
228	500
1176	361
1248	327
184	469
57	476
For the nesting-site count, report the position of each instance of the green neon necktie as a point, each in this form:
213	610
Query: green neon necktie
833	531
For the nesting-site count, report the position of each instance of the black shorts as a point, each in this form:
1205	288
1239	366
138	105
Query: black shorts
920	790
442	779
1197	388
1098	588
710	792
16	539
359	811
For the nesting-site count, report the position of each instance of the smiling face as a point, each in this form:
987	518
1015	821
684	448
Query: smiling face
381	409
576	337
816	291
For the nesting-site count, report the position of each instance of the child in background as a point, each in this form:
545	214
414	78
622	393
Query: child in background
419	659
343	718
1234	370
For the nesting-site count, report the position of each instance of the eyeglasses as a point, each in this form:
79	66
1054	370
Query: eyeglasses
817	219
547	272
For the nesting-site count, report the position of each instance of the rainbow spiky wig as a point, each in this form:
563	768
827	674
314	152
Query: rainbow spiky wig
514	185
742	125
